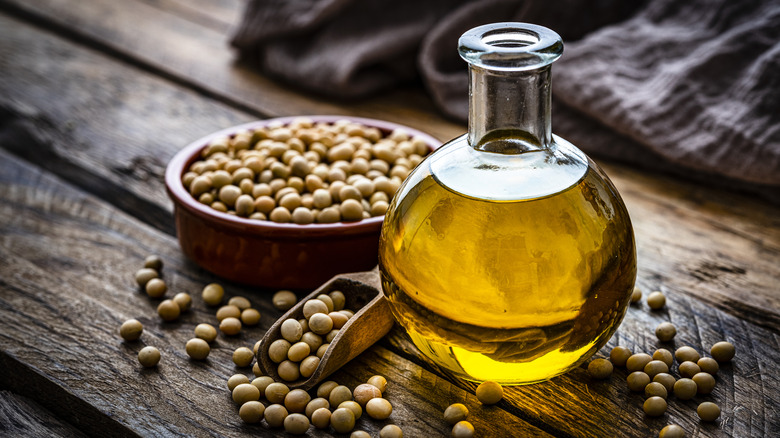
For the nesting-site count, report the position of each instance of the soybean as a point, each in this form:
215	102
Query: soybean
315	404
250	317
197	348
184	300
296	400
379	382
276	392
207	332
156	288
654	406
352	406
462	429
168	310
153	262
685	389
636	295
241	302
296	424
245	392
686	353
655	367
131	330
230	326
704	382
235	380
600	368
275	415
142	276
149	356
284	300
723	351
455	412
655	389
342	420
664	356
688	369
656	300
665	379
212	294
391	431
638	361
637	381
261	383
619	356
251	412
708	365
665	331
243	356
672	431
365	392
708	411
379	408
489	393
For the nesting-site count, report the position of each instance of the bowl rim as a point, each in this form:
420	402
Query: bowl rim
182	198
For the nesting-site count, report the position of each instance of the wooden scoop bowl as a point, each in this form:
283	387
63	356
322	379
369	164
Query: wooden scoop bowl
372	320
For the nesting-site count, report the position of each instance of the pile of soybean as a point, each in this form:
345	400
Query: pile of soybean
653	374
238	312
305	341
304	172
335	406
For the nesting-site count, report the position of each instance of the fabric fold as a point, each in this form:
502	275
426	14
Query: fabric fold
683	87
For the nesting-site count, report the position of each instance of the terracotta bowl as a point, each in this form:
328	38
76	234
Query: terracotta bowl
265	253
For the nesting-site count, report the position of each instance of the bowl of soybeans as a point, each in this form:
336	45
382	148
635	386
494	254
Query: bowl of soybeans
290	202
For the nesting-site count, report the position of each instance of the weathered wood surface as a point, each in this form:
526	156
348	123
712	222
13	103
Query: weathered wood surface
676	223
200	57
22	417
92	117
59	319
747	389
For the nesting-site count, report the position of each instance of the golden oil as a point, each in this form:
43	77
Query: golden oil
515	290
507	254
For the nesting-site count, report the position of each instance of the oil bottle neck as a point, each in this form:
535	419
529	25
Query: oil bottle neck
509	85
509	111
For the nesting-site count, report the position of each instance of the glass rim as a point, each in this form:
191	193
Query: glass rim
510	46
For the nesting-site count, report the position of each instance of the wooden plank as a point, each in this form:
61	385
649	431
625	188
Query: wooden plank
713	245
724	217
222	16
676	223
67	285
747	389
201	58
110	129
20	416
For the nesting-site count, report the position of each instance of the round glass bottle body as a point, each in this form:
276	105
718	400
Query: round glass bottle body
510	260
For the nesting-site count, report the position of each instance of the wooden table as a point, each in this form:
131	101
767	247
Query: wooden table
95	98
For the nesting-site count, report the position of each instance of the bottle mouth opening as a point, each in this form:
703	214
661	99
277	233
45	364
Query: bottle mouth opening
510	46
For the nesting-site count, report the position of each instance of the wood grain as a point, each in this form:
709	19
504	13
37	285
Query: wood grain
675	223
199	57
68	285
221	16
576	405
111	129
20	416
106	117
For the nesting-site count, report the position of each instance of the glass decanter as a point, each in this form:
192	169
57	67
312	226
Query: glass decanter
507	254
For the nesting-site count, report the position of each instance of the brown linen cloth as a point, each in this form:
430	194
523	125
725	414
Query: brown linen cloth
690	87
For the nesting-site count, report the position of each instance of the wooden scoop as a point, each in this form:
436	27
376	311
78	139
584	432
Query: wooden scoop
372	320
